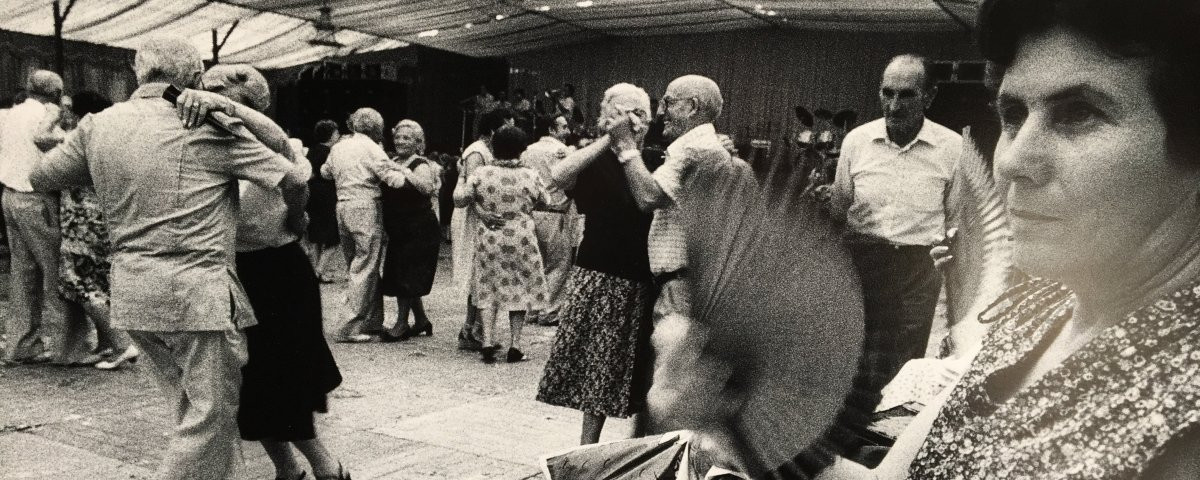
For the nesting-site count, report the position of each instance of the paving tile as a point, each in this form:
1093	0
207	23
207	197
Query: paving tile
28	456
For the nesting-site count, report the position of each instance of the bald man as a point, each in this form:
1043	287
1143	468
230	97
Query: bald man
892	190
37	312
689	107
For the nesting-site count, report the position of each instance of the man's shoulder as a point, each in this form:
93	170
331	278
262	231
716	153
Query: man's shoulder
941	132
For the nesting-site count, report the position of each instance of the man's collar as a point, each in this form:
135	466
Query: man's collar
150	90
686	139
926	134
555	141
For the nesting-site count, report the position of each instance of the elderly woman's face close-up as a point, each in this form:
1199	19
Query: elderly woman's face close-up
1083	155
407	141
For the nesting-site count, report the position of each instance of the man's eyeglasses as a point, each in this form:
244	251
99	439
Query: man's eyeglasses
668	100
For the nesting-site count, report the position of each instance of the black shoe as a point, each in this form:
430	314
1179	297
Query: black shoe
514	356
387	336
417	331
488	354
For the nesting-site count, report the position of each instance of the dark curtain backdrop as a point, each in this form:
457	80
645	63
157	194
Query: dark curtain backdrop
106	70
763	74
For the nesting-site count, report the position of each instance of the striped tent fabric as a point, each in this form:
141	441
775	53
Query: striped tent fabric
276	33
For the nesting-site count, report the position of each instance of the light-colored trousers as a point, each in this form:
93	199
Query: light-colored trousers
36	309
201	374
556	240
360	226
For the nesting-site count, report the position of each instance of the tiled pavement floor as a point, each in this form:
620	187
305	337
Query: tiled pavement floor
419	409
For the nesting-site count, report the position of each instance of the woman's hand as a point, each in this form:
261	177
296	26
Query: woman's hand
194	105
492	221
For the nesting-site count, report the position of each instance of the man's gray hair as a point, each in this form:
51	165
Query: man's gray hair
366	121
251	84
169	60
414	126
706	92
929	83
44	83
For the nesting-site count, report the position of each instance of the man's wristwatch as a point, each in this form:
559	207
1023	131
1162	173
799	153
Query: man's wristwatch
626	155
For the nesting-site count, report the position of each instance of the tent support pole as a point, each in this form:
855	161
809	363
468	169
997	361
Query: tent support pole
217	46
60	17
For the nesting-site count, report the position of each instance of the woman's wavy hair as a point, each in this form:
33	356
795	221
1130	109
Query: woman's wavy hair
1167	32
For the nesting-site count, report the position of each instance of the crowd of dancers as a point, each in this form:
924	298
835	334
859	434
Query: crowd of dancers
190	231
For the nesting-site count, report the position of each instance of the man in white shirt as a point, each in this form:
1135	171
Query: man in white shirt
37	312
689	107
893	191
357	164
555	231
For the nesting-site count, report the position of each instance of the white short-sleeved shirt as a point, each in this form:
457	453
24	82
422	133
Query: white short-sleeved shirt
667	244
896	194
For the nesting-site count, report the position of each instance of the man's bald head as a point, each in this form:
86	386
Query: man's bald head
706	92
690	101
45	85
912	62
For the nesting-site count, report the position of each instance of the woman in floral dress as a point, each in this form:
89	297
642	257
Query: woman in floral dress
83	263
508	265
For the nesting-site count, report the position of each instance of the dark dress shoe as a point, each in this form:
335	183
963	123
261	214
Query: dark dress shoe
427	329
388	337
488	354
514	356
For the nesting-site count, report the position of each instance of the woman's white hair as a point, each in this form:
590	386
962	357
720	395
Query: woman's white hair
415	127
250	84
169	60
621	98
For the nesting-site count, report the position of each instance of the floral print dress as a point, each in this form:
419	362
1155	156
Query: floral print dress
508	265
83	265
1104	413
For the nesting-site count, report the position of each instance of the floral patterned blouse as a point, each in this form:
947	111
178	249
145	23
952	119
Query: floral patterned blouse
1104	413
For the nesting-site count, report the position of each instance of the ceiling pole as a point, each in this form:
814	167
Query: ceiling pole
60	16
767	20
217	46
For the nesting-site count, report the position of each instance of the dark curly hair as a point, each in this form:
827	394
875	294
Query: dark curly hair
508	143
1164	31
493	120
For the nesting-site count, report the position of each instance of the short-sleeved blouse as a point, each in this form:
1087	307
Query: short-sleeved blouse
1104	413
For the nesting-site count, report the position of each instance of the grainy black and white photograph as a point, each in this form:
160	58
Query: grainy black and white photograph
599	239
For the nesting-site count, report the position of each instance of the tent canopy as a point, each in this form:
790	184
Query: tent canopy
277	33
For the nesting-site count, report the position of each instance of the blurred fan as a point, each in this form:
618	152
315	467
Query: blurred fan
765	367
649	458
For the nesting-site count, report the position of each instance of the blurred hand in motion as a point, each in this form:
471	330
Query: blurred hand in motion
943	255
